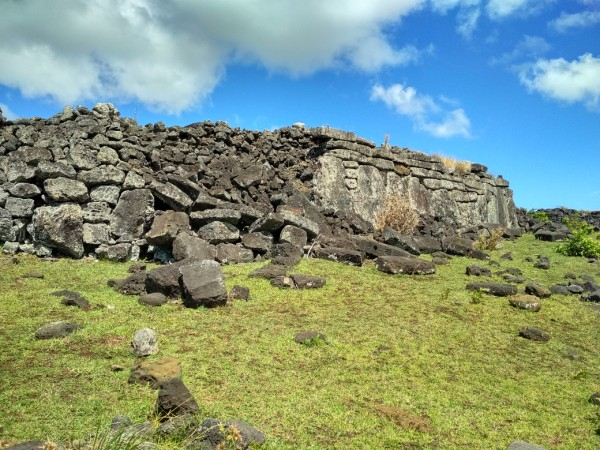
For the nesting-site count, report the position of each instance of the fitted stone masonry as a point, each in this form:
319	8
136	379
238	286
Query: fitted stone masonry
88	181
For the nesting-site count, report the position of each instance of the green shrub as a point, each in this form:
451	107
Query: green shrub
584	242
542	216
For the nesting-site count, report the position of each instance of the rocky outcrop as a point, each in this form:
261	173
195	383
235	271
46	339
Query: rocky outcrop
90	182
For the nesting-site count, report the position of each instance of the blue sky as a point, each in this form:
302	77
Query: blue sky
512	84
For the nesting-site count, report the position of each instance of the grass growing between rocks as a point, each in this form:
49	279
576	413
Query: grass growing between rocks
410	362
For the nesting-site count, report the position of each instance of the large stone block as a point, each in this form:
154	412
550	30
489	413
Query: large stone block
129	218
60	227
202	284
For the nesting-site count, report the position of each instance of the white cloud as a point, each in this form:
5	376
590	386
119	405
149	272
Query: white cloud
566	22
454	123
170	54
424	112
528	47
568	81
499	9
7	113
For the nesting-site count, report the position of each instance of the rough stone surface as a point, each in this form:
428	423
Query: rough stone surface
526	302
153	299
239	293
66	190
202	284
520	445
478	271
350	257
294	236
304	336
129	218
166	227
56	330
144	342
534	334
60	227
538	290
326	182
269	271
154	372
404	265
189	246
233	254
497	289
219	233
175	399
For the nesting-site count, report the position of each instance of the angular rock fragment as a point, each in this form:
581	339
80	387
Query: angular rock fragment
202	284
404	265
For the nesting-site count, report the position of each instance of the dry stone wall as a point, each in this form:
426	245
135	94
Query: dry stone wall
88	181
357	176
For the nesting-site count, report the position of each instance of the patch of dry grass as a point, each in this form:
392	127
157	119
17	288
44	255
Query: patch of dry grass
453	165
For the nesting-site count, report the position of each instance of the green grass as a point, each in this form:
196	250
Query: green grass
410	362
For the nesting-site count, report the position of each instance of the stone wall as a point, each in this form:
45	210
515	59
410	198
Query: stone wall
88	181
355	175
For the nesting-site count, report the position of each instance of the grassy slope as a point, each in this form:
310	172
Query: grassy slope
455	374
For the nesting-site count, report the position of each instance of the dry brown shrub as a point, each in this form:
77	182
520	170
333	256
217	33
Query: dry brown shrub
458	167
398	214
485	242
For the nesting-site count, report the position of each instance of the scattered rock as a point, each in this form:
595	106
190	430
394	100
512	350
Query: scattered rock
543	262
56	330
538	290
155	372
144	342
174	399
478	271
534	334
595	399
71	298
593	297
527	302
239	293
153	299
285	254
499	290
404	265
283	282
308	281
520	445
304	337
214	434
134	284
202	284
269	272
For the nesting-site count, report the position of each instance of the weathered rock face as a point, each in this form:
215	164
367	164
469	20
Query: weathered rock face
91	181
355	176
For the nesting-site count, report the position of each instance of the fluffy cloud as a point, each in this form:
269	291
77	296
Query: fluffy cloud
568	81
170	54
584	19
426	114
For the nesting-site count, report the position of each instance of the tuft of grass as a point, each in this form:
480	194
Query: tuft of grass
412	361
453	165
